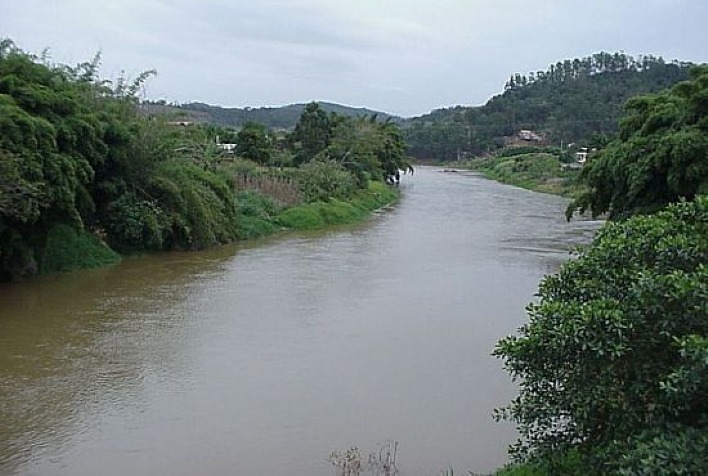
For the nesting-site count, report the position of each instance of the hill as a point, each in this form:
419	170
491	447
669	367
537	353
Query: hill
283	117
569	102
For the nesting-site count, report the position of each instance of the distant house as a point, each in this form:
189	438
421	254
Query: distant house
581	156
228	148
180	123
529	136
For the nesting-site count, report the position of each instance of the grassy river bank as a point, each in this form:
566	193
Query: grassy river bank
543	170
257	215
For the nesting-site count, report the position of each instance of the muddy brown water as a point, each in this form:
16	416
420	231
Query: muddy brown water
262	359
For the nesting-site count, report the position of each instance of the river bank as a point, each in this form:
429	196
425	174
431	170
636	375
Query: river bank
541	171
264	356
257	216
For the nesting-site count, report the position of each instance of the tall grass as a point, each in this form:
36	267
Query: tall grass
67	250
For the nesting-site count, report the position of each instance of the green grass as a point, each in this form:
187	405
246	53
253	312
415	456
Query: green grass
539	171
68	250
256	215
312	216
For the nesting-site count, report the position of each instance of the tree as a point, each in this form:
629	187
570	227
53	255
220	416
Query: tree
253	142
613	362
658	157
312	132
367	147
75	152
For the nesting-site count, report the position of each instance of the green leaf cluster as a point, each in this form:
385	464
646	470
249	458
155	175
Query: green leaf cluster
660	154
613	362
75	151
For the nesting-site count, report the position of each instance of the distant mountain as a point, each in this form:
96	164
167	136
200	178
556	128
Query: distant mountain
284	117
569	102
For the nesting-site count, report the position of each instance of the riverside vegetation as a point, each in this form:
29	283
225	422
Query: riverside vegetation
85	176
613	363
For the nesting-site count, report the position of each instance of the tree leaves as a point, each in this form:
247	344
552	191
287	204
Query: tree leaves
658	158
616	345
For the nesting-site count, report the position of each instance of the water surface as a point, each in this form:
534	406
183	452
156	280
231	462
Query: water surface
262	359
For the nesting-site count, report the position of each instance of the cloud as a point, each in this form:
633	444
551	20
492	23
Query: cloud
402	56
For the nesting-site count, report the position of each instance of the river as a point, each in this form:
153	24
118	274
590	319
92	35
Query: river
263	358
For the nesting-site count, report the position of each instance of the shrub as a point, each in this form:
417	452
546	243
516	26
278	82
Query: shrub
256	215
320	181
135	224
615	353
68	249
302	217
200	205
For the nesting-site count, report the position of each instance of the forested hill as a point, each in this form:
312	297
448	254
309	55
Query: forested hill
569	102
284	117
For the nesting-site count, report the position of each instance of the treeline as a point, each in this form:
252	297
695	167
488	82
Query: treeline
83	172
613	363
571	101
283	118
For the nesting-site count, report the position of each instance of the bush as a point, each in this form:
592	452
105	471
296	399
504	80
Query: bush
256	215
134	224
665	451
566	464
302	217
320	181
68	249
200	204
615	353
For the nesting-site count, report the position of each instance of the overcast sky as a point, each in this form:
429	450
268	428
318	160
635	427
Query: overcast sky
405	57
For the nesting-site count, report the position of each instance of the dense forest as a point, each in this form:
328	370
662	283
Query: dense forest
83	173
569	102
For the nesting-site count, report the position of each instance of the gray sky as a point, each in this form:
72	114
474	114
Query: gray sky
405	57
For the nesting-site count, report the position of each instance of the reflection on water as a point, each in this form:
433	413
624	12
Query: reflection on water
263	359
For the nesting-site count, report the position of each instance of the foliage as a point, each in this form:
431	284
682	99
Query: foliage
134	224
614	359
254	143
257	214
51	143
68	249
375	196
367	148
79	151
571	101
312	133
320	180
302	217
658	157
665	451
200	205
528	168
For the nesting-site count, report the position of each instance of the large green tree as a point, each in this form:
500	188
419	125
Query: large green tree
613	363
253	142
312	134
660	156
